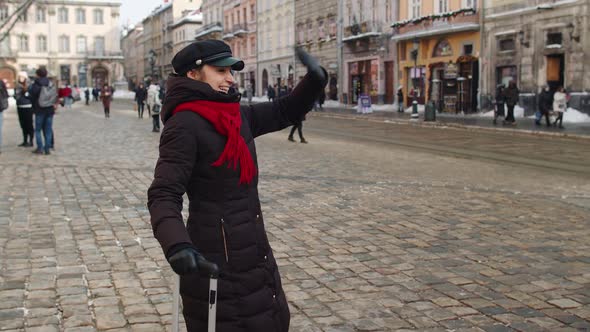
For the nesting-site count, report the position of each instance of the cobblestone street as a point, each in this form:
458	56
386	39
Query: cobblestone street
373	227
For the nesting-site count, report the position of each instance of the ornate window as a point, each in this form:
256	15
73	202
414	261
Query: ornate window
80	16
64	44
23	43
40	15
62	15
41	43
98	16
3	12
443	48
321	29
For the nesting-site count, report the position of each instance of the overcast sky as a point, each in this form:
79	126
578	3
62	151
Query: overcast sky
133	11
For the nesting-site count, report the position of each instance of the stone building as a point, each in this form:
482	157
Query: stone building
132	47
184	30
536	43
438	49
316	31
77	40
275	26
212	28
369	52
239	32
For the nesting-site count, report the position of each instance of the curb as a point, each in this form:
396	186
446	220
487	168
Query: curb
455	126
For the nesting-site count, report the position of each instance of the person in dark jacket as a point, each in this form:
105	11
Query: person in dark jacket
43	114
500	101
207	151
400	99
140	97
270	93
545	105
106	95
511	94
95	93
24	108
87	95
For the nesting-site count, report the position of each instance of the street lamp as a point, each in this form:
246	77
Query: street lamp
414	54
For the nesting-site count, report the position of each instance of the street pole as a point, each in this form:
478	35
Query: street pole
339	47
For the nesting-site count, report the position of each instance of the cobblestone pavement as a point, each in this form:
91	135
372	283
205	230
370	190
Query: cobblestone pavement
369	235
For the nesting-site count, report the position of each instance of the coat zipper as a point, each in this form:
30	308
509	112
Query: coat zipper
224	241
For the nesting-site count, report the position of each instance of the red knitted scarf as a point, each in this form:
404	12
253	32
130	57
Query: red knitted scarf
227	120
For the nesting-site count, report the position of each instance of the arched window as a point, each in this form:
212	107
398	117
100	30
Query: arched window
443	48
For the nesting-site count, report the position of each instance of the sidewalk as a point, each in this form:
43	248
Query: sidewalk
471	121
523	125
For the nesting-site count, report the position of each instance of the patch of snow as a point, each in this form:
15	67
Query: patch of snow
121	94
138	240
553	46
572	115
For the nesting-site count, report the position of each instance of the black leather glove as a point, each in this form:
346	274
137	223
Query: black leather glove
313	67
185	261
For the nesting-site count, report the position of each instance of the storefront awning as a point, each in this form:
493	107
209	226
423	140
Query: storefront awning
437	30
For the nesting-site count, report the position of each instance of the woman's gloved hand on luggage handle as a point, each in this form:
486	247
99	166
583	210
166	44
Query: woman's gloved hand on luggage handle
185	261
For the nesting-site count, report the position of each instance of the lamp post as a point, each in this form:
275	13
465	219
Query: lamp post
415	58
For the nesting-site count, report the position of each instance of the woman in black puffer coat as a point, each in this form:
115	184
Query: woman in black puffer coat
207	151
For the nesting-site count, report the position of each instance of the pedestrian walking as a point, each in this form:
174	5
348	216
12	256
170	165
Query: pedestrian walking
271	93
400	99
3	106
249	93
559	105
87	95
24	108
298	125
511	94
500	100
155	104
106	95
207	150
545	106
140	97
66	94
95	93
43	95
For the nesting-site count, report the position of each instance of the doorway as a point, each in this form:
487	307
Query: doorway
555	69
389	88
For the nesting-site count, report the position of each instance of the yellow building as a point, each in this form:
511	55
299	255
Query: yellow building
438	52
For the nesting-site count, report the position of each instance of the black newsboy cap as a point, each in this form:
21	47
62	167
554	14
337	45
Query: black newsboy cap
212	52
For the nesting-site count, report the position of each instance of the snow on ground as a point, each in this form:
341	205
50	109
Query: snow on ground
120	94
572	115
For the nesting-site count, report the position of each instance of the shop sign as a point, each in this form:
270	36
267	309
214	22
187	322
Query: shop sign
451	71
364	104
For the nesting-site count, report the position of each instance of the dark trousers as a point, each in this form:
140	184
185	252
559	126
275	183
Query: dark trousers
87	100
140	107
510	115
559	119
107	112
25	118
299	127
545	113
156	122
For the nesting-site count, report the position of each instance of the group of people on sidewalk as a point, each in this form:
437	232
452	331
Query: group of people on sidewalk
153	97
37	101
549	103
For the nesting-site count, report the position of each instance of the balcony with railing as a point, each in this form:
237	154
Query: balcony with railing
364	30
104	55
211	28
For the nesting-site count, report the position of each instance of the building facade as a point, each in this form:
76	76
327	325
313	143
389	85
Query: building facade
536	45
369	52
184	30
239	32
275	26
316	31
77	40
438	46
132	48
212	28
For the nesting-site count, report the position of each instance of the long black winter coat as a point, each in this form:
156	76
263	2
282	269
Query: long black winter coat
225	221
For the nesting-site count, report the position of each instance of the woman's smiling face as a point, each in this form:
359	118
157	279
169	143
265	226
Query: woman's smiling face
219	78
